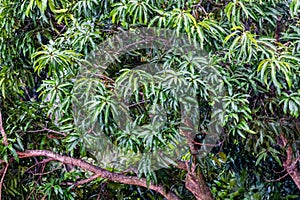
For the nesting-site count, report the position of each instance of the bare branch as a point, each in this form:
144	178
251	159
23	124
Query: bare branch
81	182
5	142
290	164
278	179
41	162
2	179
43	173
116	177
47	129
182	165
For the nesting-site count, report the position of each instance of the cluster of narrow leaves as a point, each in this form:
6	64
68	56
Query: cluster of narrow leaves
252	44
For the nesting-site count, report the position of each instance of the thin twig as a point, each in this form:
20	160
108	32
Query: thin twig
31	191
47	129
84	181
279	172
209	145
43	168
43	173
2	179
138	103
275	180
5	142
42	162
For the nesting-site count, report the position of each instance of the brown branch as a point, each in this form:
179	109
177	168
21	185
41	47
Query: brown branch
81	182
129	170
290	164
2	179
195	183
208	145
182	165
43	173
47	129
190	137
278	172
278	179
41	162
5	141
28	197
116	177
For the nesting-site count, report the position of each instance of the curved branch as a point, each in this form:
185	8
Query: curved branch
116	177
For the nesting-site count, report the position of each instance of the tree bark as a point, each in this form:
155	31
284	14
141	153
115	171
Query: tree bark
290	164
294	172
195	182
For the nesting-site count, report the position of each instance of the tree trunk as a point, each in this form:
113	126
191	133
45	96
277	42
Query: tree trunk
290	164
197	185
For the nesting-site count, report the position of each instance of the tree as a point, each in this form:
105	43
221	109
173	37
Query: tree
252	45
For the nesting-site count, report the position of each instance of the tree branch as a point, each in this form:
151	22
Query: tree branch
116	177
195	181
290	164
84	181
4	141
41	162
278	179
182	165
98	172
49	131
2	178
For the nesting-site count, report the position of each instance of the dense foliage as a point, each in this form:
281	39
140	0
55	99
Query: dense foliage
252	44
